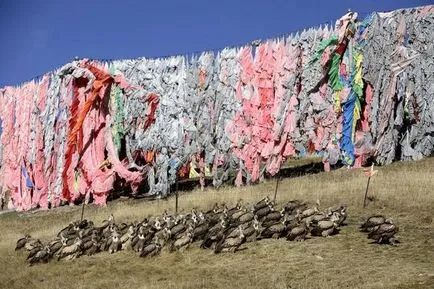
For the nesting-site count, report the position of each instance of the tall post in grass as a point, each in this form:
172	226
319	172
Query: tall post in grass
275	190
369	173
82	210
176	196
366	192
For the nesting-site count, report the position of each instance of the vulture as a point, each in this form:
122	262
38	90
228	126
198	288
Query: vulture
70	252
261	204
273	216
115	244
200	231
139	242
372	222
33	252
251	231
56	245
178	229
298	233
32	244
68	230
384	233
294	205
92	247
309	212
273	231
128	236
214	234
235	209
42	256
246	217
153	249
235	216
231	244
22	242
264	211
324	228
182	243
163	235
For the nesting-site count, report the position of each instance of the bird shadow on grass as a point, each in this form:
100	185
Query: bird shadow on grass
242	249
394	243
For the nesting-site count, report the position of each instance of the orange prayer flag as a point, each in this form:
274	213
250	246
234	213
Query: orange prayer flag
370	172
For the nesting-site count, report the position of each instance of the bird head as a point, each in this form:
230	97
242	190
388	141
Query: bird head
63	239
239	203
158	226
343	210
215	208
142	229
225	210
131	230
223	222
111	218
267	200
194	218
297	213
193	211
111	227
115	238
166	219
256	225
240	231
389	221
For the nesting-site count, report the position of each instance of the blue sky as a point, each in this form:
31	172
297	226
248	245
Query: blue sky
38	36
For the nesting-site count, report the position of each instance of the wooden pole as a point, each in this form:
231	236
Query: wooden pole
275	190
82	211
366	192
176	196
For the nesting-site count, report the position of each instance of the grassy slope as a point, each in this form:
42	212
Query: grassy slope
403	191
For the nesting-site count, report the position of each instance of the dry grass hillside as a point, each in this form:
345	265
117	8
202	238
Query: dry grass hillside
403	191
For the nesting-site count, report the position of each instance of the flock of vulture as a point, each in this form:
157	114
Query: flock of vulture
220	229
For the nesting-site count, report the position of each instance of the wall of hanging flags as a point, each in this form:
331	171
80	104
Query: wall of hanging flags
360	90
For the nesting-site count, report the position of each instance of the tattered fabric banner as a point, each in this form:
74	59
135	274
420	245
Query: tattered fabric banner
361	90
